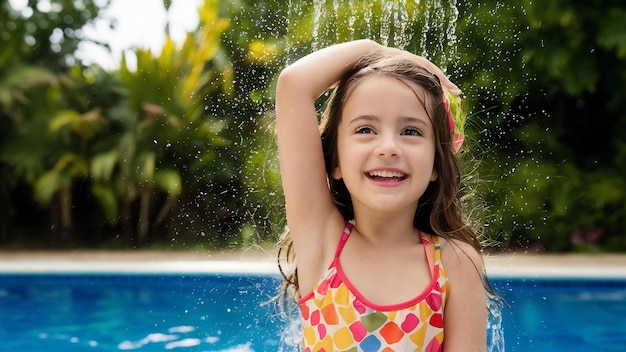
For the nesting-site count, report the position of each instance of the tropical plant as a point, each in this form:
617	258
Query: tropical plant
161	134
37	42
86	127
549	111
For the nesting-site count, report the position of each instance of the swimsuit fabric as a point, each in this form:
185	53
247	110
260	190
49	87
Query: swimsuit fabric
337	317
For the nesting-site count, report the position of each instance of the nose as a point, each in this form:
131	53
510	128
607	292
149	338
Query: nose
388	147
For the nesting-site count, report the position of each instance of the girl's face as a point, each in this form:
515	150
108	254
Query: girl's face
385	145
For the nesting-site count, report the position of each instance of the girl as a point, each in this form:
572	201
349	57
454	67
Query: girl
384	262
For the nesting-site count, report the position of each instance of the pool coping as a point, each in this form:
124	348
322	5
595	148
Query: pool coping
590	266
263	262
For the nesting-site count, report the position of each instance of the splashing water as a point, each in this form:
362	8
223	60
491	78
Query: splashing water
291	335
495	332
427	28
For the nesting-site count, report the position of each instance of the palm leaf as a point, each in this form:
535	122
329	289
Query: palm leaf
19	78
108	201
169	180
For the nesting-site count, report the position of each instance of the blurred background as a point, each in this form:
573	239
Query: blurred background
149	124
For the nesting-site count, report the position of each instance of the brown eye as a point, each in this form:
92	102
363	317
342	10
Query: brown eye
411	131
364	130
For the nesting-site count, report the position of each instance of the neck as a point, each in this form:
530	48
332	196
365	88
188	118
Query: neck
386	228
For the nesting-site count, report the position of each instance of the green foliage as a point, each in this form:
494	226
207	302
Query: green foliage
129	140
181	148
44	33
36	45
550	113
178	149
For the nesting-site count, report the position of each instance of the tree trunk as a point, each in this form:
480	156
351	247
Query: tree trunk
4	214
143	225
65	205
165	210
127	215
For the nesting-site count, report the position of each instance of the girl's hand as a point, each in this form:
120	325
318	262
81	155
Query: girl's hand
432	68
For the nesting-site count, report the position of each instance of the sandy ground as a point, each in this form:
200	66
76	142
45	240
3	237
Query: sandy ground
263	260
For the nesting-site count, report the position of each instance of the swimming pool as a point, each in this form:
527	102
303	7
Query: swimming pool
128	311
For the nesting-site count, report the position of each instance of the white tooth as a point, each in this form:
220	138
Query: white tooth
386	174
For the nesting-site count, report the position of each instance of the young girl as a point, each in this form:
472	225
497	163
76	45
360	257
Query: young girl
384	261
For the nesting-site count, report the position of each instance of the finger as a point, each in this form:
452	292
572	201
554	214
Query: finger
432	68
453	88
446	83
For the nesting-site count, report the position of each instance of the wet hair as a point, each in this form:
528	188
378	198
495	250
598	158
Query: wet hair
438	210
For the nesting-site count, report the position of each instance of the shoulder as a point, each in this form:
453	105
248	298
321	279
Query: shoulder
460	259
465	323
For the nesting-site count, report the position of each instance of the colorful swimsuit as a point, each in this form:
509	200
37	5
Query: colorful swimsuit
336	317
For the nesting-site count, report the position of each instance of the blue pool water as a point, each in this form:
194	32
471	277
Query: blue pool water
138	313
564	314
210	312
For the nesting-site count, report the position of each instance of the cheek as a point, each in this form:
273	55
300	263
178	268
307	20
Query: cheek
429	162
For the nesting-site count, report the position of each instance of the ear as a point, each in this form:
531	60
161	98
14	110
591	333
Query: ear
434	176
336	173
457	142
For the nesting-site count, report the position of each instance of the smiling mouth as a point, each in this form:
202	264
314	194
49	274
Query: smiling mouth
384	175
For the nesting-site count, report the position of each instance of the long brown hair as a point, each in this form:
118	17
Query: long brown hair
438	210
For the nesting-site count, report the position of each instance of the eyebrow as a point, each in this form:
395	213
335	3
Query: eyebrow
403	119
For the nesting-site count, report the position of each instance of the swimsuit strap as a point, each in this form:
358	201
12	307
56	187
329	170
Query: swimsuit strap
344	237
437	249
431	246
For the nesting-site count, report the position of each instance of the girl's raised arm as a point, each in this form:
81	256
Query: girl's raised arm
312	217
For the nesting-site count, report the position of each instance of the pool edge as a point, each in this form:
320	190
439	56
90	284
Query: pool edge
497	266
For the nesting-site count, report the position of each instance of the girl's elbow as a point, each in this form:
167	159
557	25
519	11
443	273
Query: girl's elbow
288	77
